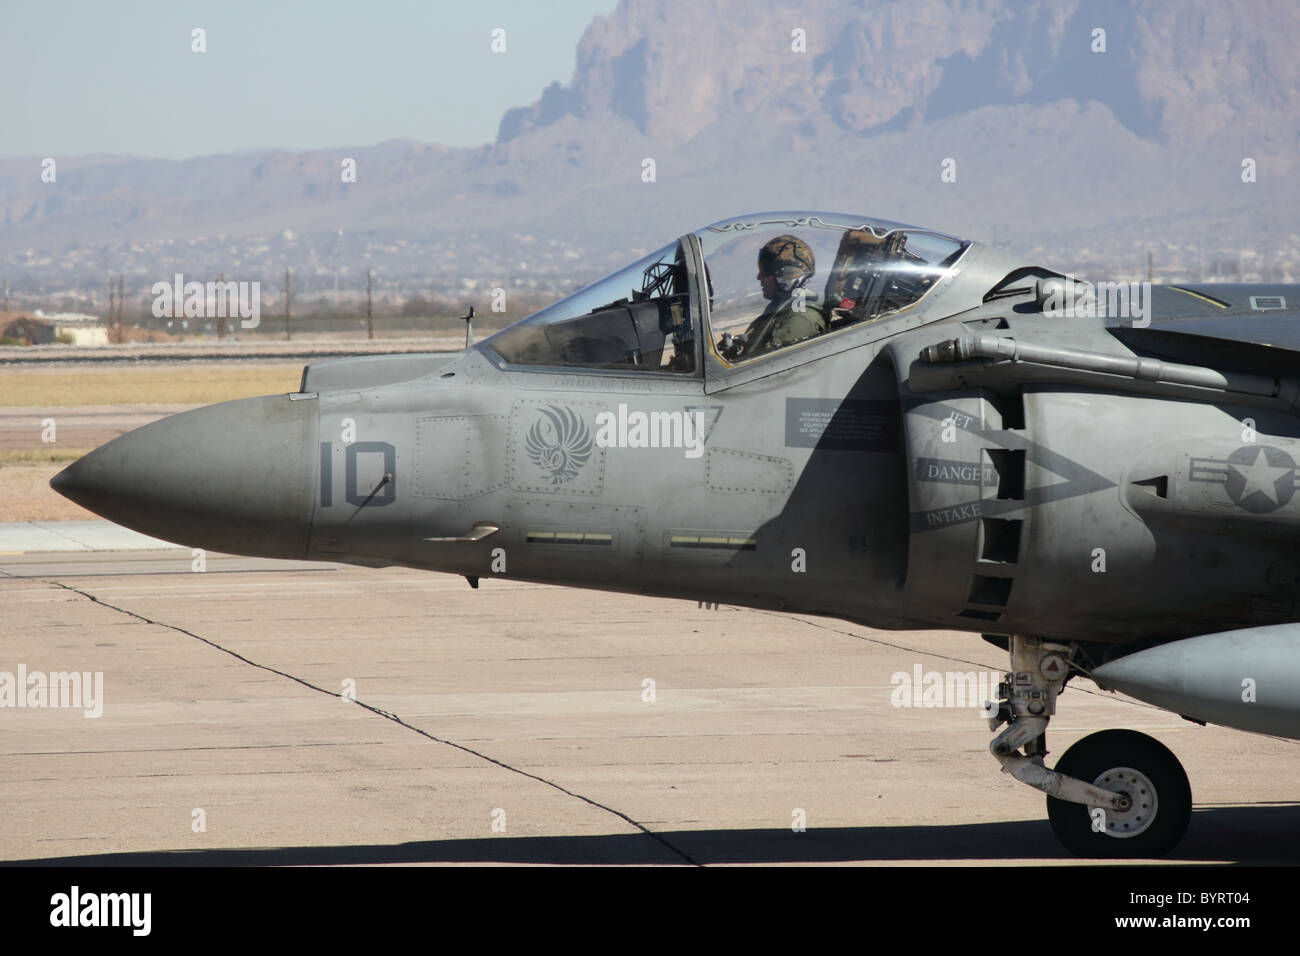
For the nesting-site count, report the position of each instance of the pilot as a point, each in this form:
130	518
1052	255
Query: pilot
785	264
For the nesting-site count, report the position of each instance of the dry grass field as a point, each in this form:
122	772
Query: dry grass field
25	495
49	455
151	385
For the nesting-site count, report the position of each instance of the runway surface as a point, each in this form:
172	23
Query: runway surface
512	724
252	348
79	426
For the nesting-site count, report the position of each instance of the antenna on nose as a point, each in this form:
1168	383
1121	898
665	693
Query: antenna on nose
469	327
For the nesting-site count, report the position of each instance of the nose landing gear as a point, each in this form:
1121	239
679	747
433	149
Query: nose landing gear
1114	794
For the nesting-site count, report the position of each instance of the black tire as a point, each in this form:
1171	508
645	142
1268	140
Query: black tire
1109	750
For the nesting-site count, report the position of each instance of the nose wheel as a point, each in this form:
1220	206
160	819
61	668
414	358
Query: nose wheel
1153	818
1115	794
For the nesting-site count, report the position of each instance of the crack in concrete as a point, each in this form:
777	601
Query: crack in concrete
388	716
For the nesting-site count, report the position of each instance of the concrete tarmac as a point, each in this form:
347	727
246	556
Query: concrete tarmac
514	724
79	426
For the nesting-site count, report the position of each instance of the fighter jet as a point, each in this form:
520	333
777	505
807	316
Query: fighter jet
832	415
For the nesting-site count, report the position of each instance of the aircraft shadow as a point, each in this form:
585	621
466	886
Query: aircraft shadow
1253	834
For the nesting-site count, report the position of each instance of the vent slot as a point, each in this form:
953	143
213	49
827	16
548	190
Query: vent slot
990	591
1011	408
1000	540
720	542
1157	487
569	537
988	325
1010	469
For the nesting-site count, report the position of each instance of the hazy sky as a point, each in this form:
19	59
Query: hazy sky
119	76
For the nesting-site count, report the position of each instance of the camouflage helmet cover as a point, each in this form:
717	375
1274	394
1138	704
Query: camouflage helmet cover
787	258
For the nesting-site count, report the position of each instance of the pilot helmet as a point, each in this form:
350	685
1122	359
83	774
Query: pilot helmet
788	260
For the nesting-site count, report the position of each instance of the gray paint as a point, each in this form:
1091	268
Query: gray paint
829	480
1247	679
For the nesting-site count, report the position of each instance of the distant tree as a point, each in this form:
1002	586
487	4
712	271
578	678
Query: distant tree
26	330
416	307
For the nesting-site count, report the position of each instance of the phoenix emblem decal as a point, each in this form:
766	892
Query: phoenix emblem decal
559	443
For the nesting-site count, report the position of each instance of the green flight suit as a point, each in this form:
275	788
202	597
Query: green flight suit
780	324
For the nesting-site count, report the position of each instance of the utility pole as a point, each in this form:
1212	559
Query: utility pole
6	295
221	319
119	298
338	261
287	318
112	308
370	312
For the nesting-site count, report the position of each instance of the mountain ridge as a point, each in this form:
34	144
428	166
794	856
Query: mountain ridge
1054	147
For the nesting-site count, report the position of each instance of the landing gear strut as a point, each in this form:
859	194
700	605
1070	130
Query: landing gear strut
1117	793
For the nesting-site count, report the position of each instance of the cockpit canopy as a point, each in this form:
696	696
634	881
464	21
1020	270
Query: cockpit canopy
638	318
771	281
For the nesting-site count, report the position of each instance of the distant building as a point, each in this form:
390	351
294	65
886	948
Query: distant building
86	330
28	329
85	336
68	318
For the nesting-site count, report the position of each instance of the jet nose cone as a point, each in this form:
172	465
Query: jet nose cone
65	482
236	477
